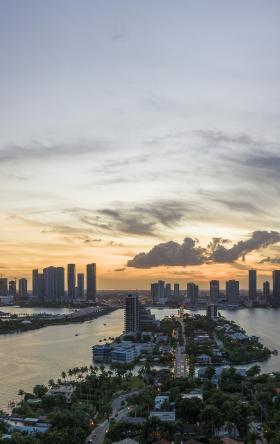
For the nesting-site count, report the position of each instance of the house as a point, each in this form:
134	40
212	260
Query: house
203	359
193	394
167	415
164	416
28	426
160	400
65	390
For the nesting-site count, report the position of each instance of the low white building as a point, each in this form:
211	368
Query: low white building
65	390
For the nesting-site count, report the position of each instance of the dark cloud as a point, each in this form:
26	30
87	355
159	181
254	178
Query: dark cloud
259	239
270	260
140	220
170	253
190	253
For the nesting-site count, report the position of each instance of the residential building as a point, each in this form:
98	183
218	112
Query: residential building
212	311
81	286
252	285
276	288
22	288
214	291
266	292
12	288
91	282
193	294
65	390
232	292
35	284
176	291
71	280
131	314
3	286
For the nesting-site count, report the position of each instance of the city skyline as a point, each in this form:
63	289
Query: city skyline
145	137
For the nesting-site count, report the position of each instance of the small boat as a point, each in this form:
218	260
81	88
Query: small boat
274	352
76	334
104	324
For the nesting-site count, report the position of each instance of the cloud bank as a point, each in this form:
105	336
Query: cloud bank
191	253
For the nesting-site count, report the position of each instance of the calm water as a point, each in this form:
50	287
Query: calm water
35	357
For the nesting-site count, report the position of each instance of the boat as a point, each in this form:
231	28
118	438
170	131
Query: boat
76	334
274	352
104	324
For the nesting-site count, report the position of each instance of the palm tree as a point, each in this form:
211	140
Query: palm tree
51	383
63	375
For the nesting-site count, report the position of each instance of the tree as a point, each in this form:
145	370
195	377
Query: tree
253	371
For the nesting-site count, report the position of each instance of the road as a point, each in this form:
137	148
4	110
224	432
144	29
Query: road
118	413
180	368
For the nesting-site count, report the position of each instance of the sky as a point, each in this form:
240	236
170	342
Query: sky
140	135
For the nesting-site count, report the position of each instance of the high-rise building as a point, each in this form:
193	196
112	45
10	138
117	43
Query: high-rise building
193	293
266	292
81	285
252	285
71	280
136	316
60	285
214	291
12	288
131	314
276	288
212	311
3	286
49	284
35	290
22	288
176	291
168	292
159	292
41	287
232	292
154	292
53	284
91	282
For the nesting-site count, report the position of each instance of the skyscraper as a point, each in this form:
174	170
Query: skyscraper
232	292
168	292
276	288
91	282
3	286
252	285
59	285
71	280
12	288
81	285
214	291
22	288
35	290
266	292
131	314
176	291
193	293
49	284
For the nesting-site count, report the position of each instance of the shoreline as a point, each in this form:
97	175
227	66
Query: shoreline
21	325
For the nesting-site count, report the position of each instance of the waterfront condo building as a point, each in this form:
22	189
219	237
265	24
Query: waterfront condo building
22	288
91	282
71	281
214	291
252	285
